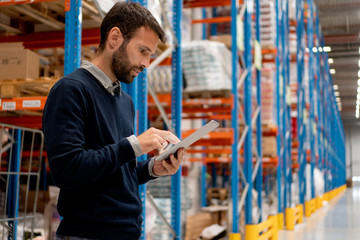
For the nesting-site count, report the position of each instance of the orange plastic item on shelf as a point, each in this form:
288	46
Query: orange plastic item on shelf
269	131
295	144
295	165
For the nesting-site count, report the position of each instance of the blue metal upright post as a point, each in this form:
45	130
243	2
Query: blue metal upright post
310	28
13	195
301	98
72	48
248	146
319	83
176	109
286	106
259	174
142	127
234	123
279	83
326	119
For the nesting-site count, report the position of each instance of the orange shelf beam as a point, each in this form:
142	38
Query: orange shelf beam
222	137
212	20
23	103
207	3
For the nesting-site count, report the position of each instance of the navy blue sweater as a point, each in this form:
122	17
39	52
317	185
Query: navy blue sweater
91	160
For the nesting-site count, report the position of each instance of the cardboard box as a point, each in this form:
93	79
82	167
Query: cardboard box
42	199
226	39
269	146
17	62
195	224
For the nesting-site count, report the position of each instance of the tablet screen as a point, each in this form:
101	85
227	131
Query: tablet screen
210	126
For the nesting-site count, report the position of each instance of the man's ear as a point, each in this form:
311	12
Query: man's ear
115	38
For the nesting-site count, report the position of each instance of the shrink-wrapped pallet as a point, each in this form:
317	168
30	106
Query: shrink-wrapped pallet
206	66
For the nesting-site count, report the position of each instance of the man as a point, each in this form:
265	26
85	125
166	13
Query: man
88	128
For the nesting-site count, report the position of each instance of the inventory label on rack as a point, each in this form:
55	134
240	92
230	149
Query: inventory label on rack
8	105
31	103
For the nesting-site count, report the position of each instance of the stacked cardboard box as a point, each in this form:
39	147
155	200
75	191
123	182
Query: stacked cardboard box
269	146
17	62
268	92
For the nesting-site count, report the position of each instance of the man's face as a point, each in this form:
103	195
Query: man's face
134	55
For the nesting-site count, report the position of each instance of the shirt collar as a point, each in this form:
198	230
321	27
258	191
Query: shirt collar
104	79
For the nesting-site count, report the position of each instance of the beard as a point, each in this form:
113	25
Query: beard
121	65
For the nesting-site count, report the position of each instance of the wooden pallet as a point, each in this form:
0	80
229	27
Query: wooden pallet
217	193
207	94
26	87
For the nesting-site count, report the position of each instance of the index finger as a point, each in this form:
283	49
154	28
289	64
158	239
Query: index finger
169	136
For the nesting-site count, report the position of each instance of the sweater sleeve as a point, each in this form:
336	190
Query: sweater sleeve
142	171
71	164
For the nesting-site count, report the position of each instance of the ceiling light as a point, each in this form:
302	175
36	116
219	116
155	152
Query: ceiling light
358	82
314	49
336	87
332	71
307	50
320	49
331	60
338	99
359	73
327	49
336	93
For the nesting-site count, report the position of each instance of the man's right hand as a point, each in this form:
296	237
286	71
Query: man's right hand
155	139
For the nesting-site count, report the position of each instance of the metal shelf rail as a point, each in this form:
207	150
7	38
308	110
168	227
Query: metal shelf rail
319	100
285	168
311	121
301	107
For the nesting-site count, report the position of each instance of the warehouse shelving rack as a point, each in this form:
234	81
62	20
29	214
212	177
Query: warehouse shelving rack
324	126
331	147
284	167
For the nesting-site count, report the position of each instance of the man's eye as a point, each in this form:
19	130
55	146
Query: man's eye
142	50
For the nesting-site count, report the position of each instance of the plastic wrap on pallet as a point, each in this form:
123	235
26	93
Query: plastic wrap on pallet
160	79
267	24
292	40
206	66
292	9
167	5
268	86
319	183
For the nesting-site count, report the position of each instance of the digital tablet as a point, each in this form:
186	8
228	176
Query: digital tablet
172	149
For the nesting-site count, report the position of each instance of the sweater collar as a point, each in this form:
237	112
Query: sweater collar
104	79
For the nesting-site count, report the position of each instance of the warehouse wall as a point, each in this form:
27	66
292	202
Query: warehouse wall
352	134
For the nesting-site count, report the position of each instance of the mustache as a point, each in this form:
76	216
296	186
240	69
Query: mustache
140	68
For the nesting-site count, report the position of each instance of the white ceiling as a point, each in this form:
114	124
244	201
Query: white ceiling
340	24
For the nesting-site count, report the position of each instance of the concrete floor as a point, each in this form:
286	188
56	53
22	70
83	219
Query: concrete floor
339	220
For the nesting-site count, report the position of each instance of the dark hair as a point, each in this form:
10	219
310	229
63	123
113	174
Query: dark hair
128	17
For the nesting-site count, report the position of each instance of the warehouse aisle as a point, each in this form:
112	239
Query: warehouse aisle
338	220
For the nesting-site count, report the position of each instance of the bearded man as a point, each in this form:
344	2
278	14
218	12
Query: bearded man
88	124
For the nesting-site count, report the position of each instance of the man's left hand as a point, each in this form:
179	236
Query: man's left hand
169	166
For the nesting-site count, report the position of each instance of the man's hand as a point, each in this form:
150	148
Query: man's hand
169	166
155	139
